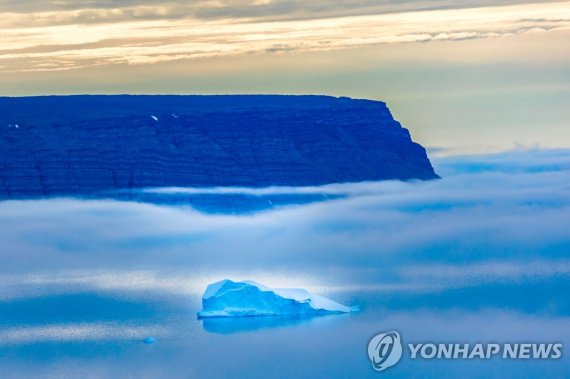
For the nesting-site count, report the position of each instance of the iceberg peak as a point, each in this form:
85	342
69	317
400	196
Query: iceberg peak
227	298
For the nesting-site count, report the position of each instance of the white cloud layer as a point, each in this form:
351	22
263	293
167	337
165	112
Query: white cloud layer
493	218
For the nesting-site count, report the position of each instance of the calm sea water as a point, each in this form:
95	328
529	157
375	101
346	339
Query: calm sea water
100	335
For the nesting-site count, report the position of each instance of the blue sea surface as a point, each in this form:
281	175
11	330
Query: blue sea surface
107	333
480	256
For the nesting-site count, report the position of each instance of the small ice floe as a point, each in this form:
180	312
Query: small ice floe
154	118
227	298
17	126
149	340
175	116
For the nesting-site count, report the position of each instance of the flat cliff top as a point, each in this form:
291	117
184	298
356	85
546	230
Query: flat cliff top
68	145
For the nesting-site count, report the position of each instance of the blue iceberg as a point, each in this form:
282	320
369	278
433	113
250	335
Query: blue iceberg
227	298
149	340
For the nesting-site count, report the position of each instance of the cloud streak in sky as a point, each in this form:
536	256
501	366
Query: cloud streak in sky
146	33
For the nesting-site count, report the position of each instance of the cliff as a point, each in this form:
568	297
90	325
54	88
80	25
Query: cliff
84	144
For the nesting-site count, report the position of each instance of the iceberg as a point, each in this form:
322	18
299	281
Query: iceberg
149	340
227	298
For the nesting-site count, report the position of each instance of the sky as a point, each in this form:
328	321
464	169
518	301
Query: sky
463	76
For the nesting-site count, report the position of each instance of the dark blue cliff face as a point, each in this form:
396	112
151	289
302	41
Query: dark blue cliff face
85	144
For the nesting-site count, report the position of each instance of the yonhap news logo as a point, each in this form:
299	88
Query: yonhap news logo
386	350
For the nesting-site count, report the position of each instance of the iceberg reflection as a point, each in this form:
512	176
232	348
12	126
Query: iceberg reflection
230	325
